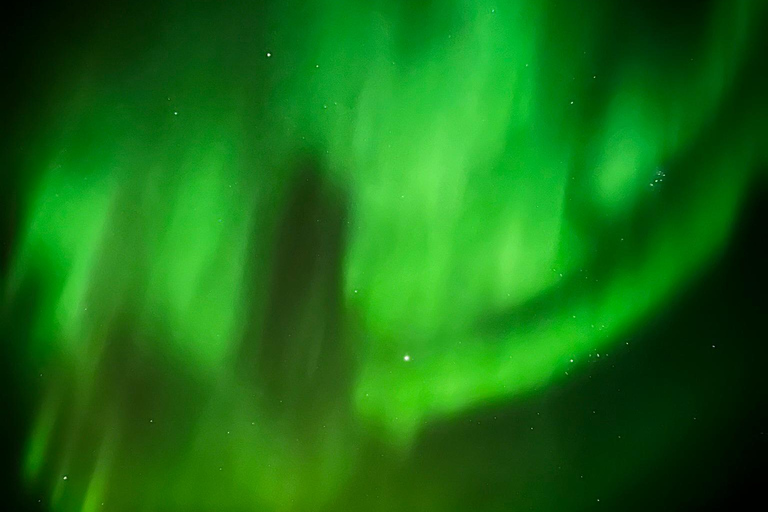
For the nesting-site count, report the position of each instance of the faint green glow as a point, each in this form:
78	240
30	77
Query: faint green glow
493	163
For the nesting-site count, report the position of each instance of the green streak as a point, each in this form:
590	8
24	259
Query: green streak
517	194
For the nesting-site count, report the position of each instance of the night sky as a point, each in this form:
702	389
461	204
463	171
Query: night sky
385	255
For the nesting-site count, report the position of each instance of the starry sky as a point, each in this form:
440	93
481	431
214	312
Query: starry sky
331	255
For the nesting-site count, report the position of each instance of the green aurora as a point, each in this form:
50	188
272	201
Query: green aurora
262	247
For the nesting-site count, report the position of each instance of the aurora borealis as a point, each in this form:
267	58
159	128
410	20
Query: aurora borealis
377	256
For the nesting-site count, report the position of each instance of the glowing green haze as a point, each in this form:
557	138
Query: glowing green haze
260	239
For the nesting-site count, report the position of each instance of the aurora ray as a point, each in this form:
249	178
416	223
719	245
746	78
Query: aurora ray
263	239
